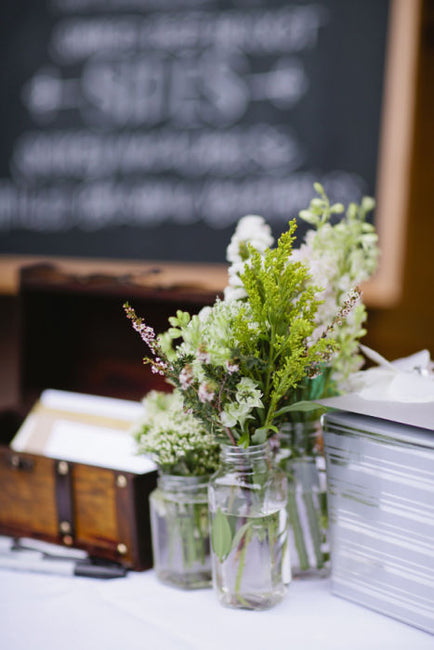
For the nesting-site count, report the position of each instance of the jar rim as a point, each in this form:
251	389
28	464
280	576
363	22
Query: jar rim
183	482
234	451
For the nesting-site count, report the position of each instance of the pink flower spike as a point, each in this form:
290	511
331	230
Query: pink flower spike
186	377
231	367
205	394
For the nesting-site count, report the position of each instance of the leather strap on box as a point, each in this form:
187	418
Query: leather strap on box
64	502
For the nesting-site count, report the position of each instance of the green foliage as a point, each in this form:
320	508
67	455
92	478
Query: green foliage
221	535
274	351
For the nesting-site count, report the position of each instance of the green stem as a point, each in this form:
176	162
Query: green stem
241	566
297	530
188	541
313	517
270	368
197	509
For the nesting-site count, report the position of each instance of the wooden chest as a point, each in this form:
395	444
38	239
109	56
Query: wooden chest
100	510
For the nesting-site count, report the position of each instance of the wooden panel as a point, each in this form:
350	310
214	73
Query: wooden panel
103	354
95	506
396	151
161	276
408	325
126	517
27	489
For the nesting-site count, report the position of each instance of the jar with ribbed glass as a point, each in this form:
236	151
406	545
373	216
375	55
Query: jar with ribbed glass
180	531
301	459
249	528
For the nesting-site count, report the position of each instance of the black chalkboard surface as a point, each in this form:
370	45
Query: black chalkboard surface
146	128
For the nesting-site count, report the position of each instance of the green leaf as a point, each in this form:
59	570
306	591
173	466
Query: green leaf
221	535
302	406
260	435
240	534
243	440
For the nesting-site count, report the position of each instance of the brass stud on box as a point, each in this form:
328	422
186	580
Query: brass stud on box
65	527
15	461
122	549
63	467
121	481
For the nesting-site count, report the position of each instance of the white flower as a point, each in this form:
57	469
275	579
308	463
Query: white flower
228	419
173	437
234	414
204	313
248	394
234	293
251	229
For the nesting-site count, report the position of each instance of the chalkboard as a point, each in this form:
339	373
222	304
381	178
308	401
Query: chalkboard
146	128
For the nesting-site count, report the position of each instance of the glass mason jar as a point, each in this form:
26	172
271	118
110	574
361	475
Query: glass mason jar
249	528
180	531
300	456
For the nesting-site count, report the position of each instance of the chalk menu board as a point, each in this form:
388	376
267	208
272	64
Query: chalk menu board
146	128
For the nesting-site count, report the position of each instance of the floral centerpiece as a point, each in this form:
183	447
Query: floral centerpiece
339	257
235	365
186	455
236	362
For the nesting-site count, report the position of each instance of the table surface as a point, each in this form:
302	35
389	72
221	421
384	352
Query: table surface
39	611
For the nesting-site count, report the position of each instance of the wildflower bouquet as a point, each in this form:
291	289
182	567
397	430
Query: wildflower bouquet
234	363
339	257
236	366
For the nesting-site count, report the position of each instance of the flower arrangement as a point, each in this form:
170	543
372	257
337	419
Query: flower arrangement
285	335
174	438
234	363
339	258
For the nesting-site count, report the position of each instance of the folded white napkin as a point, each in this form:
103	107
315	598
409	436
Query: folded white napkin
410	379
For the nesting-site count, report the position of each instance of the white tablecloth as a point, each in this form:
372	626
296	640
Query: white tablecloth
45	612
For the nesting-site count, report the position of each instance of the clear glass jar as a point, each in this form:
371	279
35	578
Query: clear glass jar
249	528
180	531
300	456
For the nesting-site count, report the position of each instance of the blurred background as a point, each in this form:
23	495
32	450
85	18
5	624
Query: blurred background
135	133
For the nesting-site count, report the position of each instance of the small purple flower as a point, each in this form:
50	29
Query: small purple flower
203	355
231	367
205	393
186	377
146	332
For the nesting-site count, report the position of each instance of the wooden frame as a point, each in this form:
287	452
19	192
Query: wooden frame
395	153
